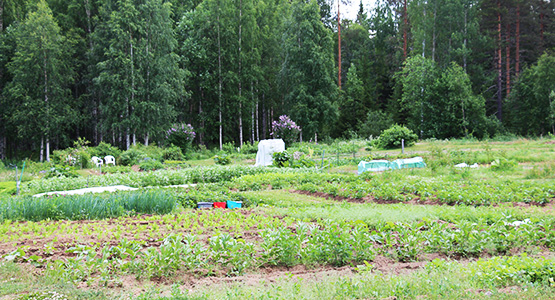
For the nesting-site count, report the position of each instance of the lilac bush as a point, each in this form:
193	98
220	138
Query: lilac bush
181	135
285	129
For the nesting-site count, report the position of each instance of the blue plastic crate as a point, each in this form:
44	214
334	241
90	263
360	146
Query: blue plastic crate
234	204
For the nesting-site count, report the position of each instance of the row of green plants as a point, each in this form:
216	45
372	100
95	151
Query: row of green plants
86	207
513	277
143	227
322	243
399	186
112	205
157	178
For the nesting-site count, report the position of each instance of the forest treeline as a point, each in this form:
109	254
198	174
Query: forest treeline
124	71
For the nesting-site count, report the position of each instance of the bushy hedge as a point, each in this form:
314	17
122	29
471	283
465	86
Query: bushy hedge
391	138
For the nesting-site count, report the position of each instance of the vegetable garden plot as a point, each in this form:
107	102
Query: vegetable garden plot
228	246
402	188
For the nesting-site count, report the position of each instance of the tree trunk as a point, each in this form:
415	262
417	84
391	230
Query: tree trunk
499	64
517	41
47	148
46	106
127	139
146	139
264	117
252	124
200	113
88	13
434	34
41	154
1	15
542	24
252	113
257	126
240	124
3	146
132	93
2	129
240	79
465	36
219	80
405	29
95	111
339	43
424	39
508	58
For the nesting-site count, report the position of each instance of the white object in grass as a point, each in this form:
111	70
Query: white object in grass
464	165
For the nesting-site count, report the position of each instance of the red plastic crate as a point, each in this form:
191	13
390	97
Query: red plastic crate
219	204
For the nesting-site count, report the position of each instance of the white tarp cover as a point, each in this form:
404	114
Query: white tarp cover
265	150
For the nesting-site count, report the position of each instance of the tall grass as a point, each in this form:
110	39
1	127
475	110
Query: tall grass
89	206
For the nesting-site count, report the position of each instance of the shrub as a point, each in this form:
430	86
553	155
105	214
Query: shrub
391	138
131	157
181	135
150	165
78	155
61	157
222	159
503	164
104	149
285	129
281	159
176	164
248	148
8	188
173	153
61	171
229	148
83	159
151	151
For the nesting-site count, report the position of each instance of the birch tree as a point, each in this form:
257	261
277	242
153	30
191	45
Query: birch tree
38	92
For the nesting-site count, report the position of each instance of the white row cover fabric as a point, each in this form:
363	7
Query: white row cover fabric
99	189
265	150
